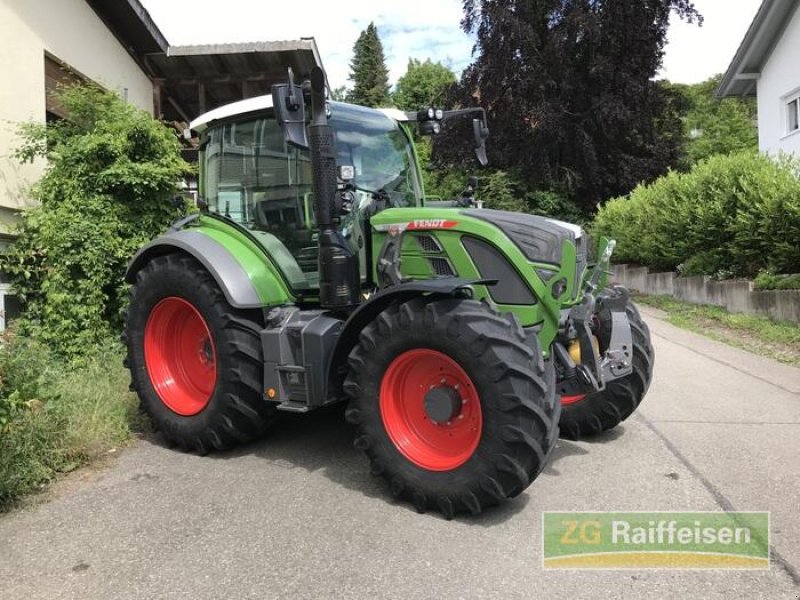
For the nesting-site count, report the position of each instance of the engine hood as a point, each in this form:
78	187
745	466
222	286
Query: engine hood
541	239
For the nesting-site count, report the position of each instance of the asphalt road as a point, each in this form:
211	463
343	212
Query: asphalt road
298	516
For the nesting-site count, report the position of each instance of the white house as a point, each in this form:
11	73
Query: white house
115	43
767	65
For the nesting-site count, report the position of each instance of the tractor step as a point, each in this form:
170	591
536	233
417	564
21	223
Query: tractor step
294	407
297	349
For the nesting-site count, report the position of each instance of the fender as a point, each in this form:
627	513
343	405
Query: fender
371	308
247	279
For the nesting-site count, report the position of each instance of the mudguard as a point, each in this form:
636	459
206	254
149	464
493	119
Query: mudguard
374	305
244	274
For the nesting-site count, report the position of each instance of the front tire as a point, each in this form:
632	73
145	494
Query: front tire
591	414
195	362
453	404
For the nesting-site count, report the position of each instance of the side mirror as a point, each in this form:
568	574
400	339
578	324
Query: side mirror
481	132
290	112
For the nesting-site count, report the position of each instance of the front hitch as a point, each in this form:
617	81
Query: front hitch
607	316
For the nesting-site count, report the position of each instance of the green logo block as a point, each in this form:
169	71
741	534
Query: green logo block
657	540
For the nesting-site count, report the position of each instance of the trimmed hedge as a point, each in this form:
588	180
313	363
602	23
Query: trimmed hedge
730	216
768	281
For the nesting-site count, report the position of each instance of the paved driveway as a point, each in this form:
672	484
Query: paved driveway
298	516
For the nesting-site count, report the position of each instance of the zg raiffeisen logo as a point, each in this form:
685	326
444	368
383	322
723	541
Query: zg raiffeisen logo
639	540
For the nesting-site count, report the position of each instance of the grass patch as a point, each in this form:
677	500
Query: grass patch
760	335
57	416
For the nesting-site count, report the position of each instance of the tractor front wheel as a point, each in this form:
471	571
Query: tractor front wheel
195	361
453	404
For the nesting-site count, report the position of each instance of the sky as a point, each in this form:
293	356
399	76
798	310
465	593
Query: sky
420	30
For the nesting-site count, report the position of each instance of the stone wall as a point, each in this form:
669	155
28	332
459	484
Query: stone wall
735	296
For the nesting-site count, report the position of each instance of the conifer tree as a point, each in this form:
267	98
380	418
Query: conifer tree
368	70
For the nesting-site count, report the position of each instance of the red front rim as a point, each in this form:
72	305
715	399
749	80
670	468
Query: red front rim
567	400
180	356
433	446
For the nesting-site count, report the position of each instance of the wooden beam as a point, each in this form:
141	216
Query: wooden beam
178	108
201	97
222	79
157	100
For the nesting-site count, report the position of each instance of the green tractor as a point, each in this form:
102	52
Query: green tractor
317	273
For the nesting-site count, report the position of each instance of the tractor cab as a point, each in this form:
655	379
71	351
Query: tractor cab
251	175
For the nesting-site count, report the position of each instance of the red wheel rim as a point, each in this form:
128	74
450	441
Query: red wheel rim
180	356
433	446
567	400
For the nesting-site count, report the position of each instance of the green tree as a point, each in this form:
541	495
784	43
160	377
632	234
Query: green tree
569	89
106	191
339	94
717	125
499	191
368	70
423	84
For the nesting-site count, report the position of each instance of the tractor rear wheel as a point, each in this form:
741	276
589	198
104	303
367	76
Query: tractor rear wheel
590	414
453	404
195	361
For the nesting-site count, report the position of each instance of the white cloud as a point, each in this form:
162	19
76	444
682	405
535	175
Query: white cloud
429	30
419	30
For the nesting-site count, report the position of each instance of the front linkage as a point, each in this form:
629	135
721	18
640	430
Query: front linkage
604	357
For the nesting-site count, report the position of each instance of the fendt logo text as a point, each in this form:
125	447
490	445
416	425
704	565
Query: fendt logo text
432	224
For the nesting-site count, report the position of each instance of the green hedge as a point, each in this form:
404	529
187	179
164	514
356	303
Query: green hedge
768	281
731	215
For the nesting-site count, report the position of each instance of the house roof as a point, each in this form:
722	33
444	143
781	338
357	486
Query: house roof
131	24
763	35
191	80
195	79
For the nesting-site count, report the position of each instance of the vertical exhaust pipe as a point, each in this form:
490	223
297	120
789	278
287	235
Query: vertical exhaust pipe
339	280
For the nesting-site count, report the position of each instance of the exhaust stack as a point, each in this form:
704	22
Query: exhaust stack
339	281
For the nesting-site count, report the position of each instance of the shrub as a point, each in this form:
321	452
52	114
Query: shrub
500	191
768	281
734	214
550	203
58	416
111	171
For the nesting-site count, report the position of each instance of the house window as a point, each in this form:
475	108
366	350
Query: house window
9	306
793	115
57	75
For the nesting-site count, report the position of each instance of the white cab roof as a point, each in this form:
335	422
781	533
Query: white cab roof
258	103
229	110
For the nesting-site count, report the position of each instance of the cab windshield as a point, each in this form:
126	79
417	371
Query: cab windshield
250	175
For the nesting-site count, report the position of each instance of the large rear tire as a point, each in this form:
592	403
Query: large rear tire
453	404
591	414
196	362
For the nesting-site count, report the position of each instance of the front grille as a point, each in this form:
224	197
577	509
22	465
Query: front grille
442	267
493	264
428	243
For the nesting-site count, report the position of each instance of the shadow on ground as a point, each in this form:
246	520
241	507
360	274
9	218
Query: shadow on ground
566	448
321	441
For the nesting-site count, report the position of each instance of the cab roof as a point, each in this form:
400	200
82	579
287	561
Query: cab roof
260	103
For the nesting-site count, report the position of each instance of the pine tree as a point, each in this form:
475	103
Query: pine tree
368	70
